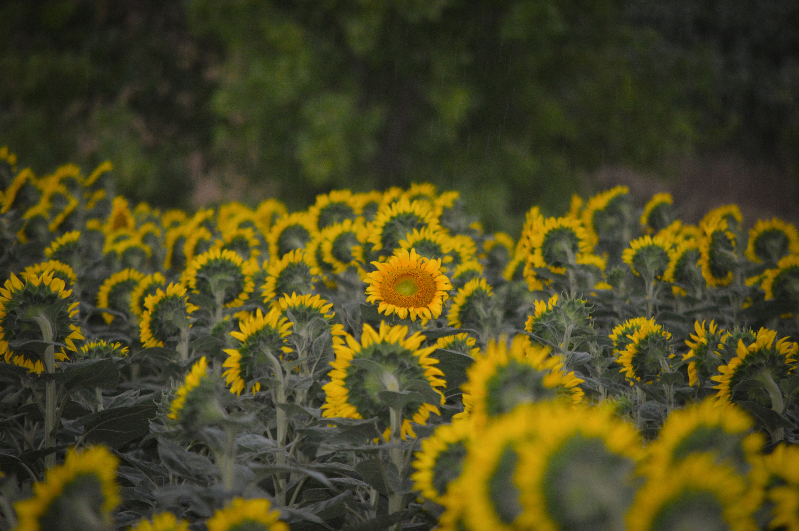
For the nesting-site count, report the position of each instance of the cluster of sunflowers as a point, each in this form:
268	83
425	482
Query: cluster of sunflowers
379	361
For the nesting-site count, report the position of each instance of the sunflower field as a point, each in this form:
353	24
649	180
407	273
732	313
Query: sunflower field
379	361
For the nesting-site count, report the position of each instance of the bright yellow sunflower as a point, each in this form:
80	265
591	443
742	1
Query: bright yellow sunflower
22	316
60	270
408	285
198	371
440	459
82	491
252	515
161	522
354	388
622	334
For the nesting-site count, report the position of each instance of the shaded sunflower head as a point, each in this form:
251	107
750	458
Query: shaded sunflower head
440	459
115	292
393	221
465	272
82	491
408	285
684	269
761	364
194	404
703	358
646	355
367	376
259	340
463	343
335	207
147	285
161	522
470	304
242	241
658	213
783	466
220	275
168	313
769	241
290	232
101	349
498	250
781	284
197	241
267	212
312	317
291	274
731	214
648	257
505	376
249	515
696	492
608	217
577	472
60	270
542	310
22	193
30	309
430	243
342	244
622	334
718	258
66	248
559	240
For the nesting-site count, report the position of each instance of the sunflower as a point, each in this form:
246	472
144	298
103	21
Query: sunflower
647	353
409	285
465	272
781	282
59	269
311	316
102	170
440	459
198	371
291	274
220	275
696	493
498	250
658	213
393	221
249	515
684	270
342	244
167	316
505	376
541	308
606	214
531	264
577	472
101	349
174	240
783	465
469	303
559	240
397	363
769	241
23	192
764	363
703	358
24	308
622	334
259	337
718	252
333	208
82	492
648	257
65	248
463	343
198	240
267	212
290	232
368	203
433	244
729	213
120	217
243	241
115	292
705	427
147	285
161	522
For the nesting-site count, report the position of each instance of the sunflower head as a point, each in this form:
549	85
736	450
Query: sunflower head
703	358
342	244
148	285
471	304
66	248
194	404
658	213
387	369
465	272
718	259
101	349
463	343
247	515
648	257
314	327
783	466
220	275
622	334
290	232
646	355
781	284
60	270
291	274
115	292
335	207
771	240
82	491
168	314
408	285
440	460
559	240
393	221
684	270
31	310
608	218
161	522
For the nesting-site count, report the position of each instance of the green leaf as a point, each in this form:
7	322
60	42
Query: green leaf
118	426
102	373
454	365
185	464
373	472
399	399
381	523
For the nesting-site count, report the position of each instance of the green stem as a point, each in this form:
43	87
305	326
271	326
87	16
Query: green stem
229	460
279	397
777	402
650	296
396	457
49	390
183	345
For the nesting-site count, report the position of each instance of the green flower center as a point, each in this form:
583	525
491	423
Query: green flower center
407	286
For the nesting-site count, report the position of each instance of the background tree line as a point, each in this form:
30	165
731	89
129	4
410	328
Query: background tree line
512	102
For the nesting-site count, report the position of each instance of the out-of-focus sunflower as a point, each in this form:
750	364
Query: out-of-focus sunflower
646	356
167	316
440	459
703	358
468	304
115	292
395	220
648	257
222	276
290	233
161	522
291	274
147	285
771	240
658	213
247	515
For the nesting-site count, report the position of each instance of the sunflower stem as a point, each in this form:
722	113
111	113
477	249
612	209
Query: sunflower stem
777	402
396	457
183	344
650	296
279	397
229	460
49	390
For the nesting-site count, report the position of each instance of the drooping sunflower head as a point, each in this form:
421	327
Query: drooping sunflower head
168	313
311	317
505	376
578	470
408	285
769	241
697	492
731	214
194	404
290	232
115	292
782	283
101	349
465	272
197	241
220	275
542	309
761	363
718	257
658	213
705	427
260	340
393	221
646	355
30	309
440	460
291	274
648	257
267	213
703	358
82	491
247	515
607	215
386	361
470	303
